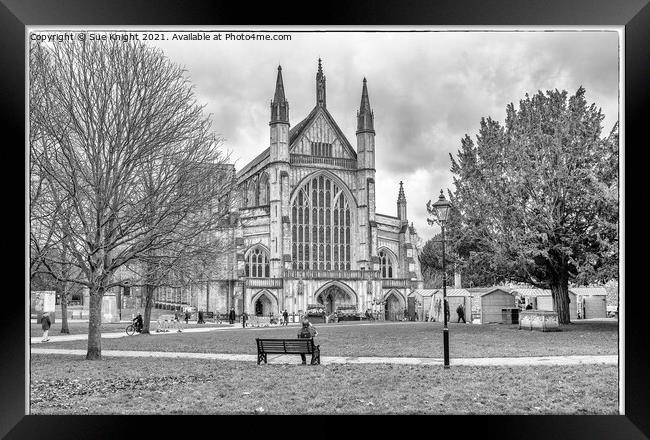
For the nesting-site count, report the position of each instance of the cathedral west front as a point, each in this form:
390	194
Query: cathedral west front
304	230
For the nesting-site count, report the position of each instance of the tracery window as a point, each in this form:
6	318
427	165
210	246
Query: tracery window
251	195
385	264
320	226
257	264
264	189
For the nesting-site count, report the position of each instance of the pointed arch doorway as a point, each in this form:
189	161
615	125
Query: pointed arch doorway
264	303
335	296
393	308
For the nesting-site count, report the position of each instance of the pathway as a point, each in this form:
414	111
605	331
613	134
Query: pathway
325	360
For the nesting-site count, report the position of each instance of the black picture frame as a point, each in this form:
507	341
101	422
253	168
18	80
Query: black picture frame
15	15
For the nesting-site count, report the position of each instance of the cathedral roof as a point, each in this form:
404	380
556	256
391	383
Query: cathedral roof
300	127
296	132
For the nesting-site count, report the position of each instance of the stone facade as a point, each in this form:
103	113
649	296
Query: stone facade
305	230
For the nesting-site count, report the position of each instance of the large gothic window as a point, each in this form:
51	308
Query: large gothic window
257	264
320	226
264	189
251	194
385	264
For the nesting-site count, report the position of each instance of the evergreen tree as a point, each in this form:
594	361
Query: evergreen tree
536	199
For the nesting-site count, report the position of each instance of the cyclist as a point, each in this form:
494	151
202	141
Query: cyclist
137	322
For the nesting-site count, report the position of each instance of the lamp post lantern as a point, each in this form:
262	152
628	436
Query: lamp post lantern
442	211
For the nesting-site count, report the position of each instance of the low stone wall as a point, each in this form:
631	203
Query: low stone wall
542	320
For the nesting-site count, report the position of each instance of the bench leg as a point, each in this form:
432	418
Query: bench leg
261	357
315	357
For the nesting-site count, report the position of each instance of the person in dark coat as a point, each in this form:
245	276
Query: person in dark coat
231	315
138	322
200	318
285	316
460	311
244	317
46	324
306	332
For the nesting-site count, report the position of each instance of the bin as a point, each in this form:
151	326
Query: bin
510	315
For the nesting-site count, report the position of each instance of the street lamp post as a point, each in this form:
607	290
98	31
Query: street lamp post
442	211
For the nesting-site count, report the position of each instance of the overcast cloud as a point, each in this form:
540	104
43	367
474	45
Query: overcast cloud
427	90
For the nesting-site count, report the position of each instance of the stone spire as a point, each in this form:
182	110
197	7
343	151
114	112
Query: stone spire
401	203
365	116
279	105
320	86
401	198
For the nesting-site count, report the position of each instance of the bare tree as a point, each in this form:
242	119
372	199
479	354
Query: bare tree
130	157
179	264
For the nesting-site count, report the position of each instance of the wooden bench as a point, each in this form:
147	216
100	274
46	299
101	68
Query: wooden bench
287	346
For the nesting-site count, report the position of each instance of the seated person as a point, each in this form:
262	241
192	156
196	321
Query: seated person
138	323
308	331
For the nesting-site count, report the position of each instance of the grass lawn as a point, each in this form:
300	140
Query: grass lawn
391	339
71	385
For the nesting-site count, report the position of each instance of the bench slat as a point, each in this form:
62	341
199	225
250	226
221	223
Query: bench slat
289	346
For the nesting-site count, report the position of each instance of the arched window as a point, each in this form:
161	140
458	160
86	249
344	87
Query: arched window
257	264
320	227
264	189
251	194
385	264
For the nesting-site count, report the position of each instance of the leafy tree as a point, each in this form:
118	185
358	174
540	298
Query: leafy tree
536	199
431	263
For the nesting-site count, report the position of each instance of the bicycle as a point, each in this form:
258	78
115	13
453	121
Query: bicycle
131	330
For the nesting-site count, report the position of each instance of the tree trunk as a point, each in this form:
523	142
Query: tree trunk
95	324
560	292
148	305
64	309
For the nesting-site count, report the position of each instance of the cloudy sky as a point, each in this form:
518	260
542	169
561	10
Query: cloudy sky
427	90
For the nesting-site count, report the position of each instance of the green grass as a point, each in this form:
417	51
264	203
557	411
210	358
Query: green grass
391	339
71	385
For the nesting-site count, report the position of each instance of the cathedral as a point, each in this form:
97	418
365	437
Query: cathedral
305	232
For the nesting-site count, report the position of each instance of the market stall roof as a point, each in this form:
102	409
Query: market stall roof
532	292
423	292
456	292
494	289
588	291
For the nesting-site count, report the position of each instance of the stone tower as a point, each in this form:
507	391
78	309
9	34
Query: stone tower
278	170
366	182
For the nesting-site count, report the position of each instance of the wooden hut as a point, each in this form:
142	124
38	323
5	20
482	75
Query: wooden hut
424	301
454	298
493	302
592	301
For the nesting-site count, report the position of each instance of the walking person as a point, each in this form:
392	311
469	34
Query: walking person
244	317
307	331
231	316
460	311
177	323
46	324
200	319
285	316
